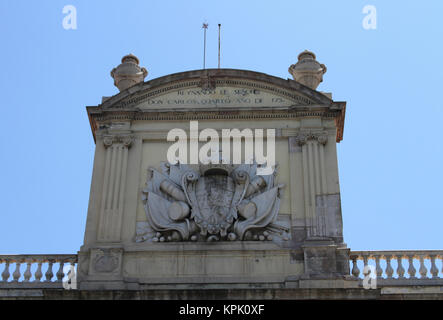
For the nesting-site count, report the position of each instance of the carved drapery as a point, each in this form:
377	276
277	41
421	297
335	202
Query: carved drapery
111	210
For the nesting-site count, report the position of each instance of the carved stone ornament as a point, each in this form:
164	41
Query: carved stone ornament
126	140
211	203
106	260
128	73
303	137
307	70
207	83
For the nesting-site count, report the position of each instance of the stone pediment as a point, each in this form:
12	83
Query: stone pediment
216	94
215	88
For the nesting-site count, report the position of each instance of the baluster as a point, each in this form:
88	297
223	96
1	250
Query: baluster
16	275
434	269
411	269
49	274
60	274
378	269
38	272
355	270
423	270
400	269
389	270
28	273
365	261
5	273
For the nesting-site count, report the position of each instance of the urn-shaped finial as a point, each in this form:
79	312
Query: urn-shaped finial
128	73
307	70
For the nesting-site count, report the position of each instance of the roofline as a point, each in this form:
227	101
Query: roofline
219	73
289	84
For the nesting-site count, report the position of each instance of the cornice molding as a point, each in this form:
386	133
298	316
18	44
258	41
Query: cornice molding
99	115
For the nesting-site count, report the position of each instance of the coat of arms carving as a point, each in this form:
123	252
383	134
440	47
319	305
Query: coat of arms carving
213	202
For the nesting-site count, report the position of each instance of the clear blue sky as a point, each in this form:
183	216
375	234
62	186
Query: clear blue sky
390	160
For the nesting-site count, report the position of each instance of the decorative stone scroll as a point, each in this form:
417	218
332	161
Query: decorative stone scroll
304	136
211	203
125	139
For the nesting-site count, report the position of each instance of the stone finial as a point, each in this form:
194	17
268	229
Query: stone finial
128	73
307	70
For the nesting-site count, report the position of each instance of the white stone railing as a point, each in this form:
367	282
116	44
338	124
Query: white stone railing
36	270
416	267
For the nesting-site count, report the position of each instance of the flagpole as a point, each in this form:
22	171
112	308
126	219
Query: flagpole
205	26
219	26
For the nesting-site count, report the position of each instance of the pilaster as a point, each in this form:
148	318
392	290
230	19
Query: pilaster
112	201
314	180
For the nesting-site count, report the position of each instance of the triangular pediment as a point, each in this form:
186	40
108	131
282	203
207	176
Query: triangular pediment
216	88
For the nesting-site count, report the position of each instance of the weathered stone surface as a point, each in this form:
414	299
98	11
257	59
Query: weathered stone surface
307	70
217	230
213	224
229	202
418	293
128	73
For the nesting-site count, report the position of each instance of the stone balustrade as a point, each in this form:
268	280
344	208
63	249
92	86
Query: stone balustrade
36	270
408	267
417	267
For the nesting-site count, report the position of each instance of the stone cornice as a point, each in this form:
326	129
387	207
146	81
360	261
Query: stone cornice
295	133
97	116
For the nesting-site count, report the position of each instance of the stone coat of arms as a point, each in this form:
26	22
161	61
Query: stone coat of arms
211	203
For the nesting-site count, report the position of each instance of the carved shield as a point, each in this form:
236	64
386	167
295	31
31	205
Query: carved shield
214	196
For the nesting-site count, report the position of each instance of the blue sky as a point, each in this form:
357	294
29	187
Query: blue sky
390	160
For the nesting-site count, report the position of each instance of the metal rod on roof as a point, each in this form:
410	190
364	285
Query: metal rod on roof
219	27
205	26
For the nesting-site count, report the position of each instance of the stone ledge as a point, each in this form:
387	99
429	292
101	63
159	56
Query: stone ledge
223	294
237	246
192	294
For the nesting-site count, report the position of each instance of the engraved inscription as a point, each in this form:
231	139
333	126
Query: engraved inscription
218	97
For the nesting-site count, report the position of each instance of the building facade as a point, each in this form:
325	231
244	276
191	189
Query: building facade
219	183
